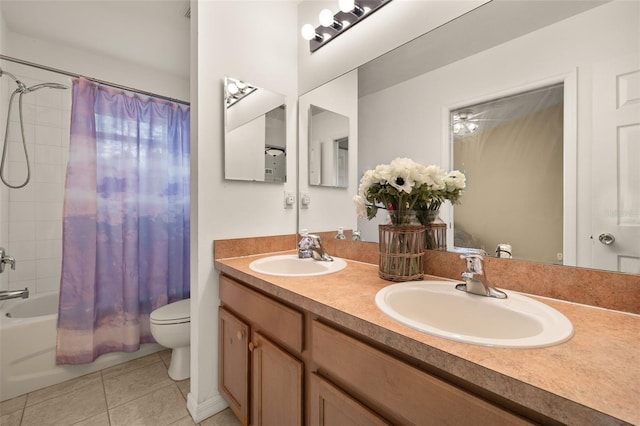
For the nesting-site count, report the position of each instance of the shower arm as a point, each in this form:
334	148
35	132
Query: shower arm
21	86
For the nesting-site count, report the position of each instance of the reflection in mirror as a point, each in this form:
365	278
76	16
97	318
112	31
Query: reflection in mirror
592	47
255	133
328	148
511	150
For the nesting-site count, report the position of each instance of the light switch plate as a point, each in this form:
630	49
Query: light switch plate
289	199
305	200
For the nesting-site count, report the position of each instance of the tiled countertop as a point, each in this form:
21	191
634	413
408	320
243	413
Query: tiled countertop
594	378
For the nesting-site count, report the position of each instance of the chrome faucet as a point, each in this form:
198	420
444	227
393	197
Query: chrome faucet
6	259
317	251
475	278
14	294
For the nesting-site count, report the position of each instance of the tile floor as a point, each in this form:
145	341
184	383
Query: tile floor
136	393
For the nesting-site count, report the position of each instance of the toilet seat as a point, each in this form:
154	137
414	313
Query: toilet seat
174	313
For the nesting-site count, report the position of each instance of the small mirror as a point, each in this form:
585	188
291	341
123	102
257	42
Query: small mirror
255	133
328	148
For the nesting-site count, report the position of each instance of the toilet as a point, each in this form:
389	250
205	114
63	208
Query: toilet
171	327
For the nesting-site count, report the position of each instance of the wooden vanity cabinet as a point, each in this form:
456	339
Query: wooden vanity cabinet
264	360
260	376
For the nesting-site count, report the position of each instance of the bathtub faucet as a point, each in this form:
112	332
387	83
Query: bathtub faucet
6	259
14	294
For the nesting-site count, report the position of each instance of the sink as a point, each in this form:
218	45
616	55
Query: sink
289	265
437	308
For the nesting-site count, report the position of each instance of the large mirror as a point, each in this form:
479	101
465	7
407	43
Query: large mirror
328	148
409	99
254	133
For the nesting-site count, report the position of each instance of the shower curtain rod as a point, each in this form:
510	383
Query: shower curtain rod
95	80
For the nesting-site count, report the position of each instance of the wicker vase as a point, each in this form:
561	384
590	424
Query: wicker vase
402	245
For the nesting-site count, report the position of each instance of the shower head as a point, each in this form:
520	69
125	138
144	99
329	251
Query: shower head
43	85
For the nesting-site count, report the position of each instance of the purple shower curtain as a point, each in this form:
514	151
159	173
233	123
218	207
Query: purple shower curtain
126	220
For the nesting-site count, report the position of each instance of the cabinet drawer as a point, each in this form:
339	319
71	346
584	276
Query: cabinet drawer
395	389
280	322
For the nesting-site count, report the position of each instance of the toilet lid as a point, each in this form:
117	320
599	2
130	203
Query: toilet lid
179	311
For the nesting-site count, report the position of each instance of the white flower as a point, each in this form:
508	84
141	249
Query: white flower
434	177
399	175
361	206
455	180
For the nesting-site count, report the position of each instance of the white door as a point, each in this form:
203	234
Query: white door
616	165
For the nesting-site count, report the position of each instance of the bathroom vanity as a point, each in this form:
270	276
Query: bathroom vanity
316	350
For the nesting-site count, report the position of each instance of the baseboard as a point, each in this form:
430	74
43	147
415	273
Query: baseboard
205	409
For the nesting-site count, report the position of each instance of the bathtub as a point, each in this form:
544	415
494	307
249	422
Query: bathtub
28	347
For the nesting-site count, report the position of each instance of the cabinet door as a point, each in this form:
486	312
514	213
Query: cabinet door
330	406
276	390
233	358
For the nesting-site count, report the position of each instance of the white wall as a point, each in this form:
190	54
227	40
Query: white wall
92	64
416	111
254	41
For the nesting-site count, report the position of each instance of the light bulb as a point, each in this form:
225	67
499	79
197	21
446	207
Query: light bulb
326	18
346	5
241	85
232	88
308	32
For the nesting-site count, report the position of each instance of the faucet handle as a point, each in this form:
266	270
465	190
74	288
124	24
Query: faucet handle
474	262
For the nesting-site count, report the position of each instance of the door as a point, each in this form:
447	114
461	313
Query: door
615	165
233	361
276	384
331	406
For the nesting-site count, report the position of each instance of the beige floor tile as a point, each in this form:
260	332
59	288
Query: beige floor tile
159	408
67	409
11	419
12	405
223	418
185	387
185	421
126	367
63	388
101	419
165	356
136	383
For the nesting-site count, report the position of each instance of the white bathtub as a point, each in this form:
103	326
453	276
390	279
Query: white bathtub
28	347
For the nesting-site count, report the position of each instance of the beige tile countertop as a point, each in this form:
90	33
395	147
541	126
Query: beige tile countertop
593	379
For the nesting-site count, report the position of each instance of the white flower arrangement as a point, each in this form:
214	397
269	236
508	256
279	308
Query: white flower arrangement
404	186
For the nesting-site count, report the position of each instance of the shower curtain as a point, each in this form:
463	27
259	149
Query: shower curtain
126	220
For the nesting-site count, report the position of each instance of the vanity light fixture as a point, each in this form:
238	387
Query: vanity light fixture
235	89
332	25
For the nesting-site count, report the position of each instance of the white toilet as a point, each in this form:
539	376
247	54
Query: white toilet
171	327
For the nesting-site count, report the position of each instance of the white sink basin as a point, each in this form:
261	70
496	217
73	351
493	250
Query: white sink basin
289	265
437	308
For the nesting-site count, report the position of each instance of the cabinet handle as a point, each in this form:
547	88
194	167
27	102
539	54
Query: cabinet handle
240	335
252	346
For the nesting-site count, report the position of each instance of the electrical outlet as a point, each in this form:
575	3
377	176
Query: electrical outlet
559	256
289	200
305	200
